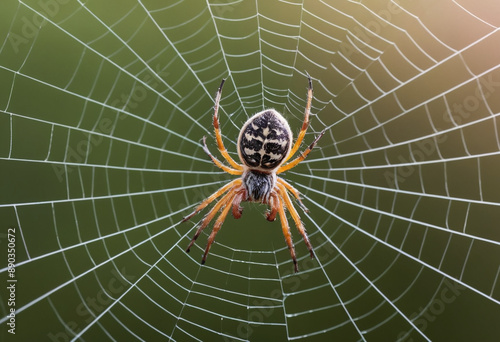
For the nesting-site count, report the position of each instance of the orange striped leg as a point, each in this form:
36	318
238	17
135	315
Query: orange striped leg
223	202
218	135
302	156
217	225
211	198
218	163
305	124
295	193
286	232
296	218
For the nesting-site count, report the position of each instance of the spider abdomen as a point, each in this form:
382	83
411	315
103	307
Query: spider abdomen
259	185
264	141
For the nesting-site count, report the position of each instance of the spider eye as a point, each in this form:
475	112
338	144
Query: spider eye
264	140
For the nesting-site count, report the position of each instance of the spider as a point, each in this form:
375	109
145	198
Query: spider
264	147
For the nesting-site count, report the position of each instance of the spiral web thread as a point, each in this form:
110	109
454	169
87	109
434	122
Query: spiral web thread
103	107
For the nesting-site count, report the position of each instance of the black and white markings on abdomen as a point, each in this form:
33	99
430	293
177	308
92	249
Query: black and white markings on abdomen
264	140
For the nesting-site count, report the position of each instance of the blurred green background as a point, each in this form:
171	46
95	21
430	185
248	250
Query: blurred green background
103	106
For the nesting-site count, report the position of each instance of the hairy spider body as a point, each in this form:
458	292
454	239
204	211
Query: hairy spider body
264	147
258	185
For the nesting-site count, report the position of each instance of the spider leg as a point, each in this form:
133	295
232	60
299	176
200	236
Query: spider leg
206	220
296	218
300	158
240	196
274	205
295	193
286	232
218	163
305	124
218	135
217	225
211	198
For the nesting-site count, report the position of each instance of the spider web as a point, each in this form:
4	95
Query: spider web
103	106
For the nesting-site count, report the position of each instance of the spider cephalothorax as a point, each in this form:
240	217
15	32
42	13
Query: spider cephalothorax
264	147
